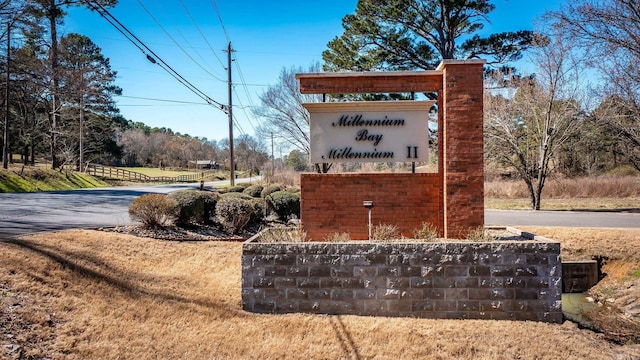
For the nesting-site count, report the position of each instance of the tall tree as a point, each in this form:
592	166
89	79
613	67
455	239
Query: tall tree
529	120
29	96
417	34
88	85
53	12
611	30
12	16
297	161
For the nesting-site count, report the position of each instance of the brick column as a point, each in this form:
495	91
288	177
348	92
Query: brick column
462	137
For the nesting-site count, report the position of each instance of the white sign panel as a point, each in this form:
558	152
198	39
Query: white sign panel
369	131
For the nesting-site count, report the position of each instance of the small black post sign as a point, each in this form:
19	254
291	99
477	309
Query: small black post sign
369	131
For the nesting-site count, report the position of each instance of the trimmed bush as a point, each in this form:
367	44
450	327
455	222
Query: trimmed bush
237	189
254	191
234	213
237	195
293	189
284	203
153	210
258	206
268	190
194	207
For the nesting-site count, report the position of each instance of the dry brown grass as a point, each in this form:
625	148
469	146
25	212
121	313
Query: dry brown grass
587	187
583	243
101	295
284	176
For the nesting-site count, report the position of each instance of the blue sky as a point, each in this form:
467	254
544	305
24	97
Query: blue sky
266	35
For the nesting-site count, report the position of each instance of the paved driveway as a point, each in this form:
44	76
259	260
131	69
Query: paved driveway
24	213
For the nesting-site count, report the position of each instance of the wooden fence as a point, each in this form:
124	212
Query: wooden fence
124	174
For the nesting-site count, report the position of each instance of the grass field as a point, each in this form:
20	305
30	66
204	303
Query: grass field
153	172
40	178
86	295
588	193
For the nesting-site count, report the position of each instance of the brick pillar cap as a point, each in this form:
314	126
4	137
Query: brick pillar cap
348	74
446	62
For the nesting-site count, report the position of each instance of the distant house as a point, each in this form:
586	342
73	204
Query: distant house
205	164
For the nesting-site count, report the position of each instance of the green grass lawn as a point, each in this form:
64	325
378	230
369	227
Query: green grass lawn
42	179
153	172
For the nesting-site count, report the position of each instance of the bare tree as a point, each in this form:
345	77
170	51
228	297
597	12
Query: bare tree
611	30
527	122
282	113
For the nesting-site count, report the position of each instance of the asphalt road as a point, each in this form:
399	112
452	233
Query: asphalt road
562	218
24	213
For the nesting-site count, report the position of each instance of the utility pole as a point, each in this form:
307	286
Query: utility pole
230	113
5	137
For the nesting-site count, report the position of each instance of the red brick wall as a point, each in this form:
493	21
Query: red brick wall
332	203
453	199
462	142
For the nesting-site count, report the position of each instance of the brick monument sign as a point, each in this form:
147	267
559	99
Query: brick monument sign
396	131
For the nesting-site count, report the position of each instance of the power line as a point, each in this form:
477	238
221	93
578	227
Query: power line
246	91
215	7
202	34
150	54
176	42
163	100
243	82
154	105
244	110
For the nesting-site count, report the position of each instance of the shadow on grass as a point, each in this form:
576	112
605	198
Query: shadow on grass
115	278
344	337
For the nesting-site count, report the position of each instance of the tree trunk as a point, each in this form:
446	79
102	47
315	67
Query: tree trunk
532	194
54	115
536	205
323	168
81	136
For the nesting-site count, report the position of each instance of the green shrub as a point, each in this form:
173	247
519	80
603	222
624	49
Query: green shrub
194	206
384	232
237	189
234	213
293	189
284	204
254	191
243	185
153	210
237	195
268	190
258	213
